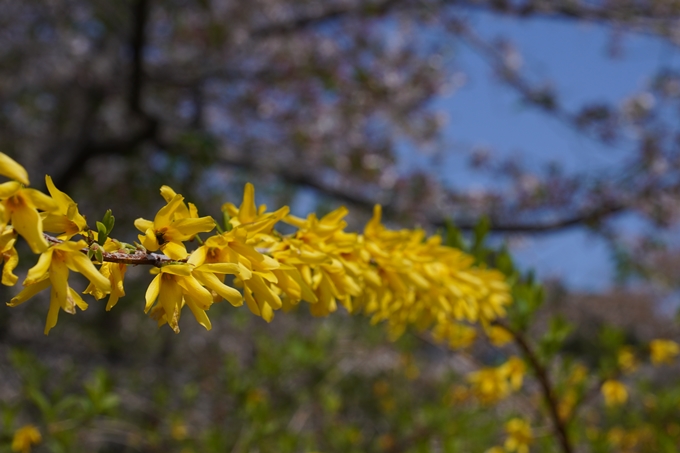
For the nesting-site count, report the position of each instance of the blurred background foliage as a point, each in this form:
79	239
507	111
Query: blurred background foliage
320	104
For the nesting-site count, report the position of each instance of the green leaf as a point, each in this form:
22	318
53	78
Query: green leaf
102	233
109	221
454	237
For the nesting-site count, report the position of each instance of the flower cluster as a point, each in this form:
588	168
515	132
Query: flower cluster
493	384
400	277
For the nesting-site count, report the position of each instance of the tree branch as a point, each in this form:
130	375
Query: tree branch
137	45
298	178
543	378
119	146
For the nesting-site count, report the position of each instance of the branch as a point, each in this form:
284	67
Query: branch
123	257
299	178
118	146
137	44
306	21
543	377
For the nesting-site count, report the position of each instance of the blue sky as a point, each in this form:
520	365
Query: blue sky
574	57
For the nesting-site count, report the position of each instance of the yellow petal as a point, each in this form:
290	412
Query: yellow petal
143	225
251	303
198	256
12	169
149	240
183	270
75	299
52	313
220	268
170	298
59	278
164	215
8	189
81	263
152	292
248	212
263	293
174	250
40	200
28	292
56	223
11	261
227	292
198	312
191	227
199	294
168	193
71	246
28	224
40	270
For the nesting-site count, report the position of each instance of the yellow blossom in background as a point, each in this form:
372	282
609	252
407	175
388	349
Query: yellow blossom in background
52	270
24	438
578	374
614	393
491	385
626	359
519	435
455	334
488	385
566	404
663	351
498	336
514	370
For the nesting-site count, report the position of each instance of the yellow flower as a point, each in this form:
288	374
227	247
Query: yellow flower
24	437
626	359
52	270
663	351
514	370
66	219
9	255
578	374
567	403
211	275
498	336
255	271
12	169
614	393
115	272
488	385
173	287
455	334
495	450
168	230
519	435
20	206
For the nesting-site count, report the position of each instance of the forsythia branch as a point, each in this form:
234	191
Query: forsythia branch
400	277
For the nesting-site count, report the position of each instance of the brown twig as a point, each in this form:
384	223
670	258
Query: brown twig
123	257
559	425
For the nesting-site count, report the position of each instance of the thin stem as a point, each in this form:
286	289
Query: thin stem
559	425
123	257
